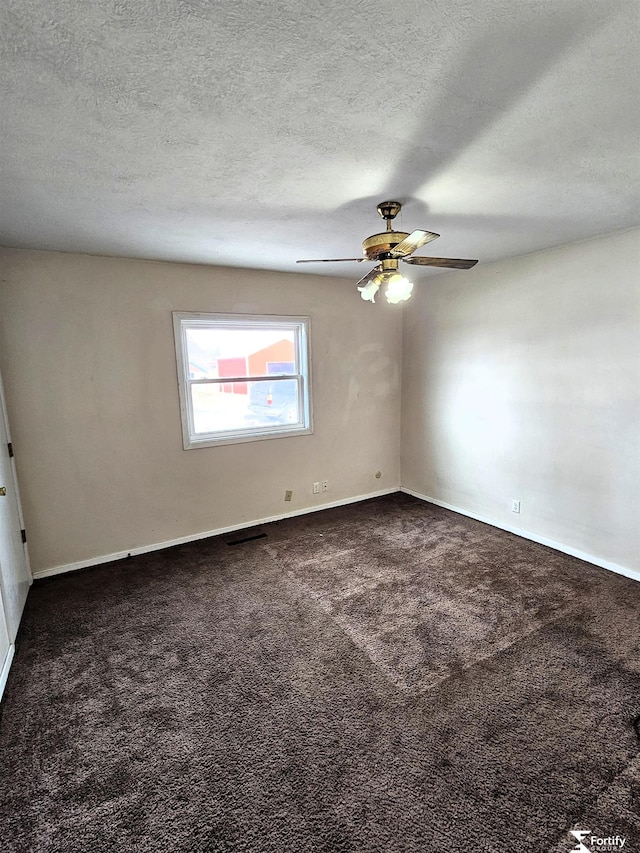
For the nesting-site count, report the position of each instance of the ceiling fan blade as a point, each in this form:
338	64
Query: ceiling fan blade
412	242
368	277
449	263
329	260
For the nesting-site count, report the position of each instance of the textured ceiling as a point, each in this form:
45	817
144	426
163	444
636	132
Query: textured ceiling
251	133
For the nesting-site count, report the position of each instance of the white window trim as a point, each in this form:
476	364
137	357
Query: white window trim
301	326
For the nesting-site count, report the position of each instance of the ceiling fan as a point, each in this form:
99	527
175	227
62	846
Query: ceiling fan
389	248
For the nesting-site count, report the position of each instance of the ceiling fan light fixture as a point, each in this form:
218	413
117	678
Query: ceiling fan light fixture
399	288
368	291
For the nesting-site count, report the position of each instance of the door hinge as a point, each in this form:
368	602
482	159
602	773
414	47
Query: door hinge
10	446
23	533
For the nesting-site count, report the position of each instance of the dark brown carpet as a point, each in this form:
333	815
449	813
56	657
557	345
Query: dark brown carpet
387	676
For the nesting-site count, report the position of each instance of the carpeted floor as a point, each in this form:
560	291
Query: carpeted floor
382	677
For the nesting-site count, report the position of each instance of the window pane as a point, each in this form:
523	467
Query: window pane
214	353
238	405
219	407
274	402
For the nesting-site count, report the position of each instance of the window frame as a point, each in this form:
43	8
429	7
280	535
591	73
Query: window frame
301	327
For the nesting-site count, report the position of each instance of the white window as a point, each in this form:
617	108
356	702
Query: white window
242	377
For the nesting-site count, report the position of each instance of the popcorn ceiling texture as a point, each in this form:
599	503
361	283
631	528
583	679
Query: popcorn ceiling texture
254	133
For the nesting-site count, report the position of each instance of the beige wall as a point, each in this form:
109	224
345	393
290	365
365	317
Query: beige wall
88	361
521	380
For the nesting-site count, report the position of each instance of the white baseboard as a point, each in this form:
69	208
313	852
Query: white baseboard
518	531
6	666
144	549
542	540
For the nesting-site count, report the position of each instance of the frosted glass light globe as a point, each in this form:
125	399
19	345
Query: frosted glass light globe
368	291
398	289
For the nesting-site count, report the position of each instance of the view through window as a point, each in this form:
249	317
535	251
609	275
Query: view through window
242	377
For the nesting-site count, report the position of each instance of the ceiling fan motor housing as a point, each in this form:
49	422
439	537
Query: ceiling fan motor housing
377	245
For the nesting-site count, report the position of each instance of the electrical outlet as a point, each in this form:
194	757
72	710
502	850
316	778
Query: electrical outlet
325	485
515	506
316	488
288	495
